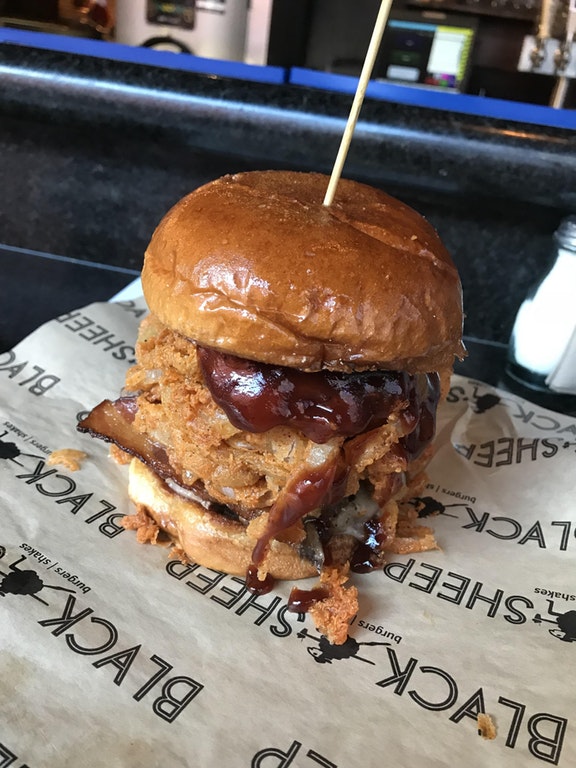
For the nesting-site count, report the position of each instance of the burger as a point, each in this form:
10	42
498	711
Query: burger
281	411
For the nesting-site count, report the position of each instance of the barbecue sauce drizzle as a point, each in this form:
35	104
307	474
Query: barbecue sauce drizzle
257	397
323	404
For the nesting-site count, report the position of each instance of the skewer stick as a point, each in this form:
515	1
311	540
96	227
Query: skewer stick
367	68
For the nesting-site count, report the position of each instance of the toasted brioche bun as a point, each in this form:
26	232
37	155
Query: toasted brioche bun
208	538
255	265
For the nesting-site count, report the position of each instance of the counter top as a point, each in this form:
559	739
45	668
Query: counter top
444	151
94	151
36	287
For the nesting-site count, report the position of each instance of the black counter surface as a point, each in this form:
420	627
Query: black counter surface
93	152
37	287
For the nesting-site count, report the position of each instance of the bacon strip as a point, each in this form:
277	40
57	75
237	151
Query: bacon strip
112	421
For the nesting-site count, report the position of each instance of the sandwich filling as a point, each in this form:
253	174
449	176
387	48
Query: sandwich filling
319	460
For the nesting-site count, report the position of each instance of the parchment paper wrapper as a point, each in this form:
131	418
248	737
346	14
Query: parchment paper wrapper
114	655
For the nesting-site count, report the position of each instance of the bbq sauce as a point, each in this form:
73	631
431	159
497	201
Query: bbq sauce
257	397
301	600
305	492
258	586
367	554
421	411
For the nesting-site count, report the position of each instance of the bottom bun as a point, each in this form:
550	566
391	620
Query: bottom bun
207	538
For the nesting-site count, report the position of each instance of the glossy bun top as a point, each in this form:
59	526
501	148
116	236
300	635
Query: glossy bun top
255	265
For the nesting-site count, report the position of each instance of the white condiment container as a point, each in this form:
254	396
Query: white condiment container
542	350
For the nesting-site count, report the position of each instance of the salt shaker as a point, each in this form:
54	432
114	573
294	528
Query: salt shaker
542	351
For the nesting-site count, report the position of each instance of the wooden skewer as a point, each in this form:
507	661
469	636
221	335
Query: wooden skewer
367	68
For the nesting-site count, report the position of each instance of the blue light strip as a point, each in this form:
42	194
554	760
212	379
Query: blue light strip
410	95
139	55
435	99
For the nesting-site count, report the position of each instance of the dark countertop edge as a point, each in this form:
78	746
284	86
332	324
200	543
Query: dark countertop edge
291	123
290	95
440	99
14	249
115	51
496	108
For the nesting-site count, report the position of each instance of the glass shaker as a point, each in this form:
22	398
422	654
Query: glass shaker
541	362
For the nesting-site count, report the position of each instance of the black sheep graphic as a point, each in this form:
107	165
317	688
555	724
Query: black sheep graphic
10	451
427	506
565	623
24	582
326	652
483	403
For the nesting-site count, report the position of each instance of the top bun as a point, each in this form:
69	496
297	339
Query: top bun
255	265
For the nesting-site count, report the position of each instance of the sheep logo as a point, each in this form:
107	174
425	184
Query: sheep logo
565	623
24	581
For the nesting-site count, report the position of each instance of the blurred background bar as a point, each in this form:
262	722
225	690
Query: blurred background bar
112	111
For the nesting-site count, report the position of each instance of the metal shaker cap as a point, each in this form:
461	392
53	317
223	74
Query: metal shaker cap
566	233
